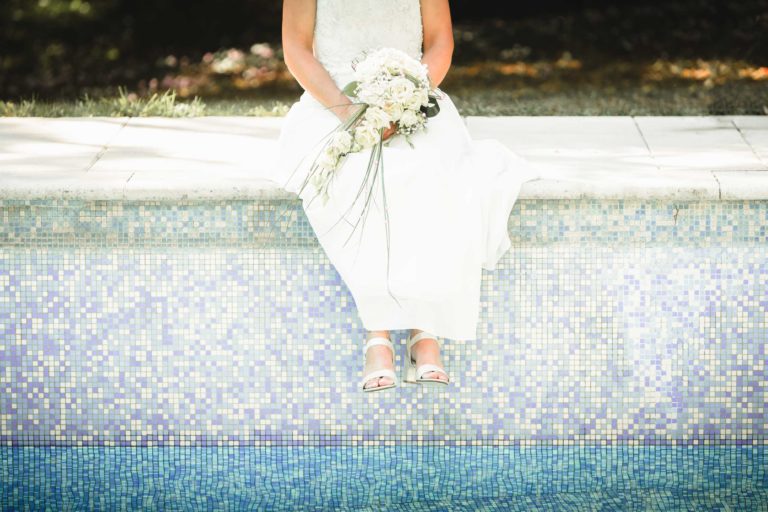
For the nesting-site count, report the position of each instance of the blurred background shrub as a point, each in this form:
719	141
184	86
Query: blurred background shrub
539	57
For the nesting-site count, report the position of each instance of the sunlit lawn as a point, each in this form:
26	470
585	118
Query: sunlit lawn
660	88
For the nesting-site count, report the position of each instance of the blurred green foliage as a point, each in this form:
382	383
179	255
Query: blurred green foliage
548	56
66	47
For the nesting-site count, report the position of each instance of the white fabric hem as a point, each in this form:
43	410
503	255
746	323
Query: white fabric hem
384	314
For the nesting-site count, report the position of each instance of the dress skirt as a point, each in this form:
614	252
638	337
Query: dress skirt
448	201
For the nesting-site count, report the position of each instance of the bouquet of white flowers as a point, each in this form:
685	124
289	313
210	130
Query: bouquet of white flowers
391	87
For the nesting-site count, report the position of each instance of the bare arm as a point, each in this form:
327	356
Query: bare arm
298	30
438	38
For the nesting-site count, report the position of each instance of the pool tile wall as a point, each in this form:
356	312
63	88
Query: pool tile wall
222	322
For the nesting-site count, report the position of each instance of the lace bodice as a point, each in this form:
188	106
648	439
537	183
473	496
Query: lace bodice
344	28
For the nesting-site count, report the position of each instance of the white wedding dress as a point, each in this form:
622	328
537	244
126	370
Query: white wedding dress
448	199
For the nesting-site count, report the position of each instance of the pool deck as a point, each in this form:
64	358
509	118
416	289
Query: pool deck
225	157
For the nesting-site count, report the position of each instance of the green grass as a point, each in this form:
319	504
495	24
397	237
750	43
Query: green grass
663	100
166	104
124	104
509	97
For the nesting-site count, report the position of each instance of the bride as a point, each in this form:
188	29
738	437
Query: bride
448	198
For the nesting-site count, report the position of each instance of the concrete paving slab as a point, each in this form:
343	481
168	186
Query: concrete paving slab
225	157
742	184
213	144
707	143
65	144
754	129
562	135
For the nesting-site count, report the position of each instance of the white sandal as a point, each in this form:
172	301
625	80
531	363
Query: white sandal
413	374
384	372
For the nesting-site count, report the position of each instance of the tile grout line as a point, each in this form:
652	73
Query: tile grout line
647	146
757	155
105	146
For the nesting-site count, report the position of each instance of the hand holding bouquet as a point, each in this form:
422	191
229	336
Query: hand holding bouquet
390	86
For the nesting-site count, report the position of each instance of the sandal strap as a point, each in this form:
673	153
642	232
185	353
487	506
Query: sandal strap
426	367
420	336
378	340
378	373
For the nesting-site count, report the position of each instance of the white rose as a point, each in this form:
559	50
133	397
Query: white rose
366	135
394	109
377	91
327	159
401	90
420	97
411	118
341	141
377	117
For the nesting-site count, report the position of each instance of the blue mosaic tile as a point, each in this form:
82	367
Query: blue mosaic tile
407	478
223	323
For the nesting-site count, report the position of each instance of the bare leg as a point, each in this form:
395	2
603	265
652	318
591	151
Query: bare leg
427	351
378	357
